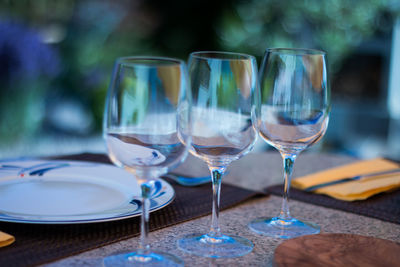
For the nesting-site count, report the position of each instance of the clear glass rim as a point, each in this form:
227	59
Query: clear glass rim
150	61
221	55
295	51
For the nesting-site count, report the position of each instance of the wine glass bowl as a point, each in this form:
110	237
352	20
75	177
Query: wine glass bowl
223	87
294	114
224	91
147	103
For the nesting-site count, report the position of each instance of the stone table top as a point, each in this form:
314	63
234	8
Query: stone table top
254	171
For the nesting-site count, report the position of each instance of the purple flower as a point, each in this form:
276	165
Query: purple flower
23	56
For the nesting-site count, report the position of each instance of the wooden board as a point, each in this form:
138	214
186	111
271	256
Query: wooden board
337	250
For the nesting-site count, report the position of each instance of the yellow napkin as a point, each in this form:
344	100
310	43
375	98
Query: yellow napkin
6	239
354	190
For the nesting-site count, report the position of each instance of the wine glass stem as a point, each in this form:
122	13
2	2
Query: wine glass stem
216	176
288	162
144	226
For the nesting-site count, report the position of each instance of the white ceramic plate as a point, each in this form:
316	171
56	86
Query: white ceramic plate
65	192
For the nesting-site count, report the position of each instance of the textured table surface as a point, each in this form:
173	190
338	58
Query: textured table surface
254	171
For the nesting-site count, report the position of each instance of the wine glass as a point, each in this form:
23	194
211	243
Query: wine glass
224	89
147	103
294	114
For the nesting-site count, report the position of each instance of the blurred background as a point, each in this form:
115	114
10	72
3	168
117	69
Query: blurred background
56	58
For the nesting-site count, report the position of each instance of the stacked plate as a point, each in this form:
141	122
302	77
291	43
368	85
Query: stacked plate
64	192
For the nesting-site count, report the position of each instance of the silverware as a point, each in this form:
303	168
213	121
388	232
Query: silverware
188	181
349	179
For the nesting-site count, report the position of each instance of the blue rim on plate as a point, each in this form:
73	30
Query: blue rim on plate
68	192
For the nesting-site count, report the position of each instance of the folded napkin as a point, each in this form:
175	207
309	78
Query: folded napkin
354	190
6	239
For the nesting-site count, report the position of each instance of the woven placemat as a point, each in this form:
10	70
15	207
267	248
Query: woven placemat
38	244
384	206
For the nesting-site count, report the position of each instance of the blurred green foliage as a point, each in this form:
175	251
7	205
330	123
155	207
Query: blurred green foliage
336	26
89	35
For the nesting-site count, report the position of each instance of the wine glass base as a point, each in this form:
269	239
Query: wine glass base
276	227
212	247
142	258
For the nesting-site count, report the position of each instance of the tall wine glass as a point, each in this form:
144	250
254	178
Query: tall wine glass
295	105
147	103
224	87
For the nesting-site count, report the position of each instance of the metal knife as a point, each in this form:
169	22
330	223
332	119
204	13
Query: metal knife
349	179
